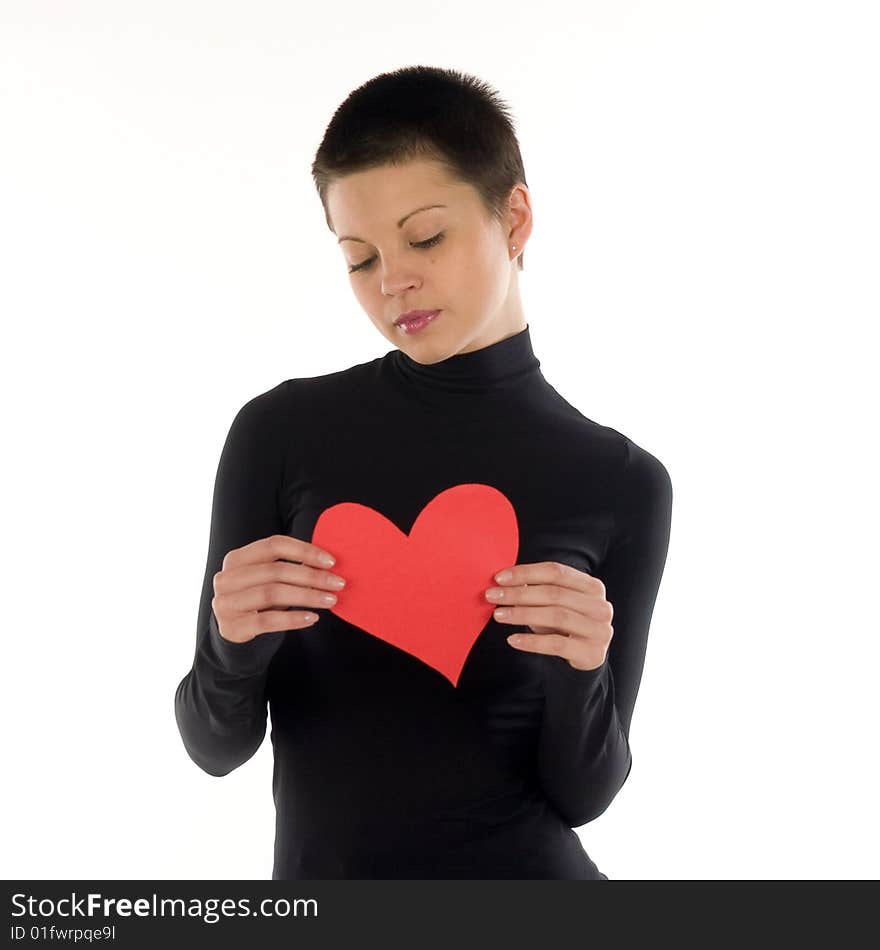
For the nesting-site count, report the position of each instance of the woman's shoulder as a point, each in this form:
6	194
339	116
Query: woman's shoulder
299	392
607	447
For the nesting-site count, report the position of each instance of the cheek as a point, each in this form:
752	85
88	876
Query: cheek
463	268
483	252
370	300
366	293
476	273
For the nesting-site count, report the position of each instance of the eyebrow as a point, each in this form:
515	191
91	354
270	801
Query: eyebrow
400	223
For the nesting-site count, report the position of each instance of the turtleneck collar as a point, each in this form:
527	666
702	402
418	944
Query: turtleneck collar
496	366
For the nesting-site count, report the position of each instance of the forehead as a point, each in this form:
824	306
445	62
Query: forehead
379	197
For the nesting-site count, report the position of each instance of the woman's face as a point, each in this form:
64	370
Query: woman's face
464	268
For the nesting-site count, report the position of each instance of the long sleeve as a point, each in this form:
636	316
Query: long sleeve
384	768
220	704
584	752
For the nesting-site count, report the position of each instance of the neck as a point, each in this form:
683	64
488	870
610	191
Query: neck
496	366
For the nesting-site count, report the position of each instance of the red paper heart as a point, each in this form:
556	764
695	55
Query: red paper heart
423	592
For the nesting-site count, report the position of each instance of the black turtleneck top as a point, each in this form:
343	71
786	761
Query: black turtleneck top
384	768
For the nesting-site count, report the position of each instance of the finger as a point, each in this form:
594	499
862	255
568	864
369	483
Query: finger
549	643
556	617
581	655
271	621
534	628
233	579
265	597
597	608
279	546
551	572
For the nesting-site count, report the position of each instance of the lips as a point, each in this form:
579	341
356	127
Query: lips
413	315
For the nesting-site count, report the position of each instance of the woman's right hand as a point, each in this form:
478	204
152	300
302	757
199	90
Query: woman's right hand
258	587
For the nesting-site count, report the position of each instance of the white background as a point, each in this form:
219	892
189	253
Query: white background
702	276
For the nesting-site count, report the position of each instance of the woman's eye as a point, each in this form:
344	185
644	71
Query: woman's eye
431	242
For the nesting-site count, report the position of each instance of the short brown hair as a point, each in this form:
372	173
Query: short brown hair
425	112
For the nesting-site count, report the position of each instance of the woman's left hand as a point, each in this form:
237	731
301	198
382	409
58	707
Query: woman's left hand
565	608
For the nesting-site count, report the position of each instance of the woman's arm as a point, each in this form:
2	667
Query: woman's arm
584	753
220	704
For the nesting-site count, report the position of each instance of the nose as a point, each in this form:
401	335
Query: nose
398	278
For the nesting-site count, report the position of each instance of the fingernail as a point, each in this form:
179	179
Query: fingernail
503	576
327	559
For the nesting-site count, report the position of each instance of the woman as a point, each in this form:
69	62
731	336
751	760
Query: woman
414	735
